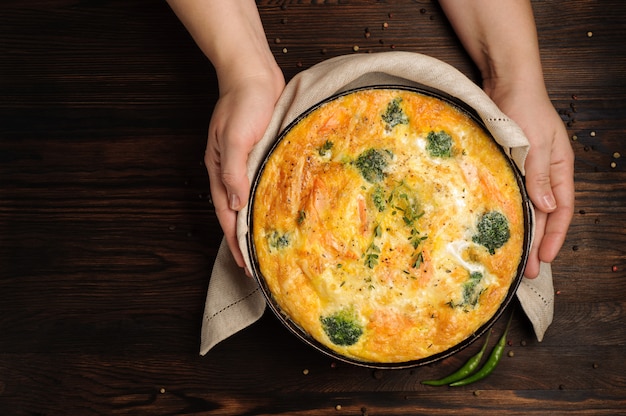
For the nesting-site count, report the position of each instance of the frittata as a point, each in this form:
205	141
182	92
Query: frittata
388	225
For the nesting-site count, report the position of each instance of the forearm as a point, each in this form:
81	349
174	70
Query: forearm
501	38
230	34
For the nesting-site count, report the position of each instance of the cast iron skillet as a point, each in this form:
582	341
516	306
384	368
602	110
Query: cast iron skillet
303	335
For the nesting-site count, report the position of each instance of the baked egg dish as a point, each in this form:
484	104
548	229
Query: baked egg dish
387	225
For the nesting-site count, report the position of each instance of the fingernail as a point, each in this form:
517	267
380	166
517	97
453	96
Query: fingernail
549	201
234	202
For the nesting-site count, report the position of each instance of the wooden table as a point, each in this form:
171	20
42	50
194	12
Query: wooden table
107	237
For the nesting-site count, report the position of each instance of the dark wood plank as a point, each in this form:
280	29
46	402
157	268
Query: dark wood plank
165	384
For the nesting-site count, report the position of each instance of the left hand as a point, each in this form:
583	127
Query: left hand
549	167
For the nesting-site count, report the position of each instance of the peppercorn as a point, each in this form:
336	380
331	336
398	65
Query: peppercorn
614	268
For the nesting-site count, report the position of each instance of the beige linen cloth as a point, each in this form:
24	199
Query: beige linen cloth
234	300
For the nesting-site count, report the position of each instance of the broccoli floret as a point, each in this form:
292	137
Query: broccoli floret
342	328
278	241
372	163
471	293
439	144
394	115
325	149
492	231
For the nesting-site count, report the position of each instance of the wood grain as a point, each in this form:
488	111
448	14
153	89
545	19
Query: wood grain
107	236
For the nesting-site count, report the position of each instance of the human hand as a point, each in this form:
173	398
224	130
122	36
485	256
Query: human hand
239	120
231	35
549	166
507	55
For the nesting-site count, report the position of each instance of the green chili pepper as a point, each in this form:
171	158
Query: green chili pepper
490	364
465	371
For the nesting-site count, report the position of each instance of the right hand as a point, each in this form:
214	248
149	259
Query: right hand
239	121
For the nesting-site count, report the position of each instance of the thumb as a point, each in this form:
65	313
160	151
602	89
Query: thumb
234	176
538	183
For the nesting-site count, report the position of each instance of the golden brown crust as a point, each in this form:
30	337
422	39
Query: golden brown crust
395	251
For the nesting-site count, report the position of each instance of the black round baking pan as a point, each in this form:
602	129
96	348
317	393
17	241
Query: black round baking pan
301	333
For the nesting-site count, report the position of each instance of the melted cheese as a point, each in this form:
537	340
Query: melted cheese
397	252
